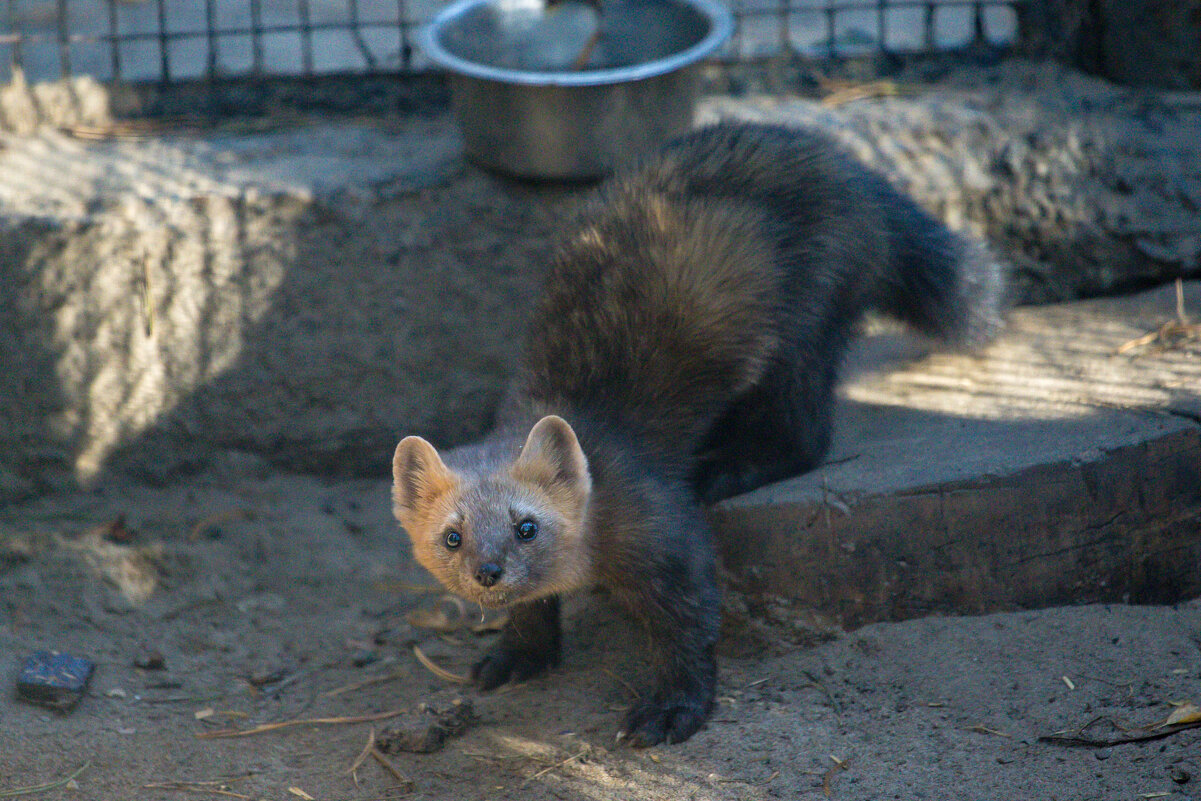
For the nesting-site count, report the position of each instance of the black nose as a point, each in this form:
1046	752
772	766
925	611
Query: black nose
488	573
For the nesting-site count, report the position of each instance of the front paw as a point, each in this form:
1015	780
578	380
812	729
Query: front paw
502	664
674	720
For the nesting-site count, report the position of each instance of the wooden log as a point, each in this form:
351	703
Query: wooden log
1048	470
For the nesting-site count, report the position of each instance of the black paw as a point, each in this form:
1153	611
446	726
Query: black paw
650	723
501	664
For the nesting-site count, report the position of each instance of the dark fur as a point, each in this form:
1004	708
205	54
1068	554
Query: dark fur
690	333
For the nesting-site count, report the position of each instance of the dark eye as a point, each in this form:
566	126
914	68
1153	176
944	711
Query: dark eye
453	539
526	530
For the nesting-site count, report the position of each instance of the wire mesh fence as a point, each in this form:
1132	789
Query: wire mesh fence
169	40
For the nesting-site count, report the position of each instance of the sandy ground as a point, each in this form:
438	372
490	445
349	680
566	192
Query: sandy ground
267	592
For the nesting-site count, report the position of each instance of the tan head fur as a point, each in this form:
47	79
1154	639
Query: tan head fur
470	524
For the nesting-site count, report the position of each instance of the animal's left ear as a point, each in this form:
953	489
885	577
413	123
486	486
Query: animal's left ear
553	458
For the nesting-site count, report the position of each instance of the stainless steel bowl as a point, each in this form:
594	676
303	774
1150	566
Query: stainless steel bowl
564	91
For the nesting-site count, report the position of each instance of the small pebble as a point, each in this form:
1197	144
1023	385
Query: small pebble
54	679
116	531
151	660
265	676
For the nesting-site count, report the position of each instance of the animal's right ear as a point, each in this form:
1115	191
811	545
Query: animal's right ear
418	476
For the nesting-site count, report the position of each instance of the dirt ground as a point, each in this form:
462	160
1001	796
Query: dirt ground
274	597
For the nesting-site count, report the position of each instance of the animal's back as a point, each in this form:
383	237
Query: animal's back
675	293
704	303
657	312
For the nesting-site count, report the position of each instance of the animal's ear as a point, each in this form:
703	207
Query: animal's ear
418	476
552	457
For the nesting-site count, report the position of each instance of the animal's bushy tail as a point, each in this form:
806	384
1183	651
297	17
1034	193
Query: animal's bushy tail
941	283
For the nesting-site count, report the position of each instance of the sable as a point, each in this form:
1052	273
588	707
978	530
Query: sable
684	349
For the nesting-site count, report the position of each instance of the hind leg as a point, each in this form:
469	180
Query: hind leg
779	429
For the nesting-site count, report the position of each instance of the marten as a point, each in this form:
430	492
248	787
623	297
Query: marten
684	349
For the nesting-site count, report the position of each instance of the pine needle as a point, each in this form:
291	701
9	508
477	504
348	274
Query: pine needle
555	766
982	729
404	780
198	787
43	787
828	776
1171	332
438	670
358	685
865	91
362	757
212	735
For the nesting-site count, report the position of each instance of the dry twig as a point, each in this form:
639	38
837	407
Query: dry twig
210	788
18	791
828	776
362	757
841	95
404	780
438	670
834	704
1170	333
284	724
1185	716
358	685
982	729
556	766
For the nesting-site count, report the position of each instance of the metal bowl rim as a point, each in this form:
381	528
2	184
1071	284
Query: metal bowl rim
721	27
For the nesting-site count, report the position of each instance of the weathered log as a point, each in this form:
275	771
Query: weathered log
1048	470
